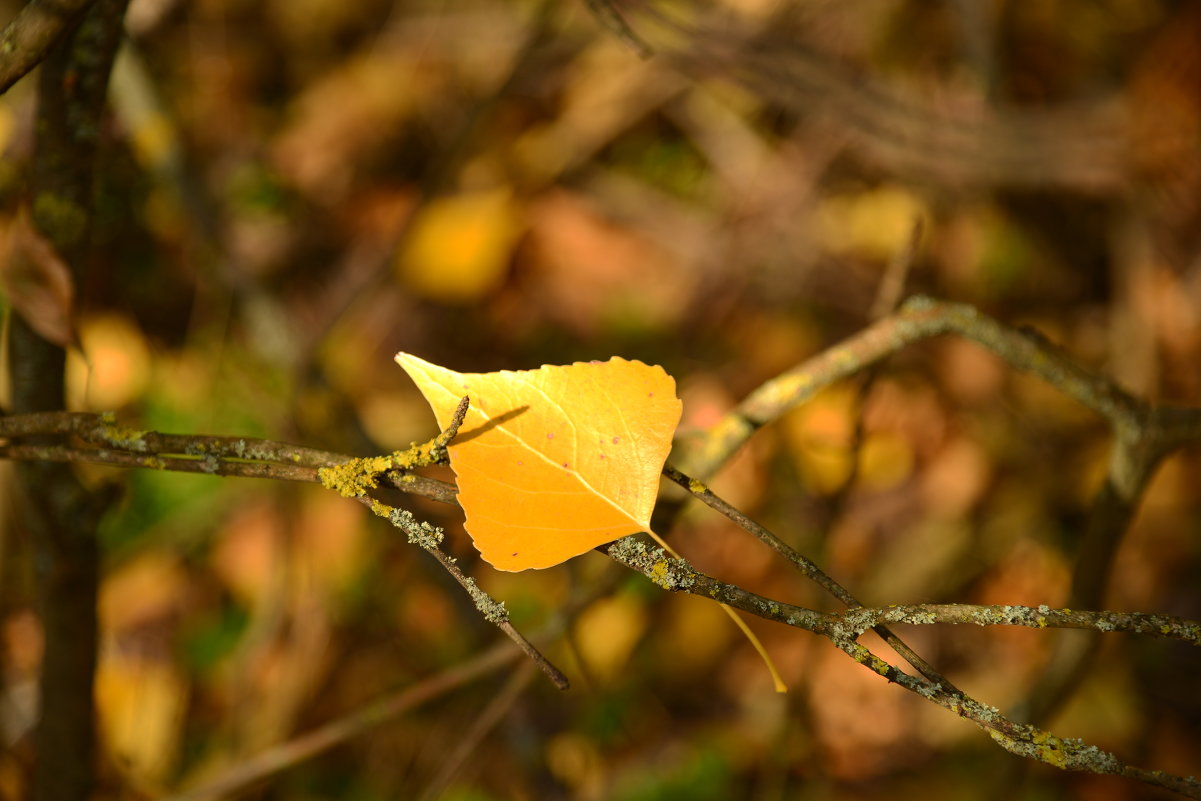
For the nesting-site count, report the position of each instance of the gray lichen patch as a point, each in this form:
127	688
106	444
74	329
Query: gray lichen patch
654	563
493	610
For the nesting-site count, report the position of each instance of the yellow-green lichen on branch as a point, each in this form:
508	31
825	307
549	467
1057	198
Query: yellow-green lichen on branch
658	573
353	478
119	436
1064	754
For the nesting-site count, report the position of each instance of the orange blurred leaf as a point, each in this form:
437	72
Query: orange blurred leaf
555	461
459	247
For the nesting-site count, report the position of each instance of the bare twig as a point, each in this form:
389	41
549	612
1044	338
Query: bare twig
357	476
1033	617
306	746
889	293
483	723
806	566
891	290
429	538
609	16
1085	145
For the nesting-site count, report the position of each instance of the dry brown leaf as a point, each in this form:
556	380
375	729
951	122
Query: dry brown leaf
38	283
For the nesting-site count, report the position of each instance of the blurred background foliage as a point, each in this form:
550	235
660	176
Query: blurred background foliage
292	191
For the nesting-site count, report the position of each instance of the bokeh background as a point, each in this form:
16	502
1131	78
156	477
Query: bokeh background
291	191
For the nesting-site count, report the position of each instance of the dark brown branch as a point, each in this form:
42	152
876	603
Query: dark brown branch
59	513
28	38
609	16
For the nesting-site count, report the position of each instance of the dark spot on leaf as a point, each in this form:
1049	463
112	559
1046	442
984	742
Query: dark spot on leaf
616	440
550	435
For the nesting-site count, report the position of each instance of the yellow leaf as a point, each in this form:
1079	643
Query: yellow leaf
553	462
606	633
458	249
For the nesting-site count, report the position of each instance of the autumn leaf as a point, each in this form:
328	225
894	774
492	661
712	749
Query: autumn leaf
459	247
38	283
553	462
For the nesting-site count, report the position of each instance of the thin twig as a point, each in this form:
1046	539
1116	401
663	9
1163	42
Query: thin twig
806	566
428	538
226	456
356	477
889	293
891	289
482	723
607	14
285	755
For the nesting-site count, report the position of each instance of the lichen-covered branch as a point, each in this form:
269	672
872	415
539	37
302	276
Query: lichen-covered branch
429	538
1033	617
354	478
843	630
803	564
1145	435
922	318
106	442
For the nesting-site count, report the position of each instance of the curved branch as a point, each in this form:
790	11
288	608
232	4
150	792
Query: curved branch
28	38
922	318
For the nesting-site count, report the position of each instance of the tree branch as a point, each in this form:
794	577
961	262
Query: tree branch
922	318
1145	435
28	38
59	513
843	630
